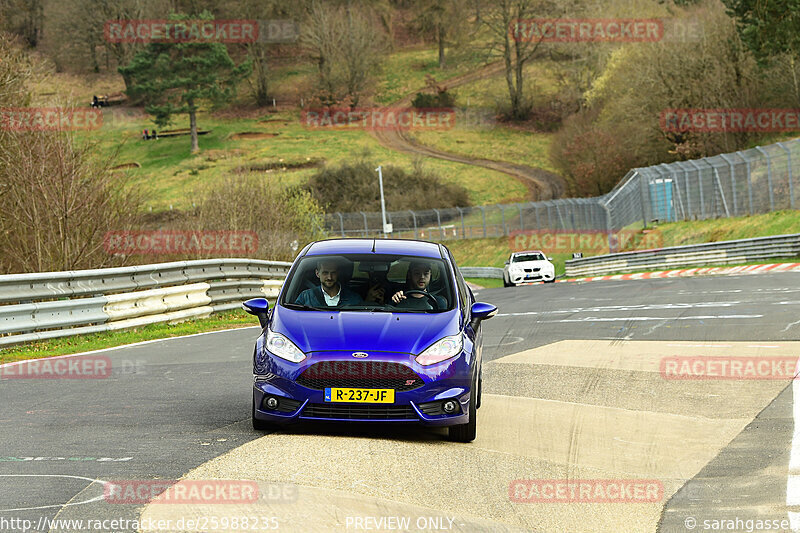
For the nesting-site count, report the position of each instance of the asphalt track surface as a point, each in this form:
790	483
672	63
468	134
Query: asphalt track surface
572	390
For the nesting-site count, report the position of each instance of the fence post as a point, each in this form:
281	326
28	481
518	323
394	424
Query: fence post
341	222
439	222
749	181
521	222
721	192
769	177
700	187
503	216
642	198
733	182
536	214
366	228
461	215
483	215
414	218
789	170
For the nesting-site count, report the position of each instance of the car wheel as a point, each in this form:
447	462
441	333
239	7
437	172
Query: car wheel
480	390
505	283
259	425
466	432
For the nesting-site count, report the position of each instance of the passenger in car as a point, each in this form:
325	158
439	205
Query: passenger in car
330	293
418	278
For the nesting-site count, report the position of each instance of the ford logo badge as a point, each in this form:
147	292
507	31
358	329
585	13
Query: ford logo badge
360	355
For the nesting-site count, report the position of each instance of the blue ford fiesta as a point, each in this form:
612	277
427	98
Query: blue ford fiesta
371	330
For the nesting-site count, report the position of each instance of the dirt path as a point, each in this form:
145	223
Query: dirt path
541	184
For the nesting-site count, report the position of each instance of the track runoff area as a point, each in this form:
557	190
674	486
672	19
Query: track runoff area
636	405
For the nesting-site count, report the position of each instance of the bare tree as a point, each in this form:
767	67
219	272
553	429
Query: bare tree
444	21
504	20
346	46
24	18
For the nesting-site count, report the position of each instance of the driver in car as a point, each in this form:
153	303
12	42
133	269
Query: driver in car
418	279
330	293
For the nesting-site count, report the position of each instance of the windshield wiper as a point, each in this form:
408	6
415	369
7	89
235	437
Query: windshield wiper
302	307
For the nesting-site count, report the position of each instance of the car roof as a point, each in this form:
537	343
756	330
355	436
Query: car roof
378	246
529	252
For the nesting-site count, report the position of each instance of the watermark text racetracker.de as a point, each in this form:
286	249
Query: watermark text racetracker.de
614	30
729	120
197	491
586	491
180	242
49	119
379	118
728	368
200	31
585	241
80	367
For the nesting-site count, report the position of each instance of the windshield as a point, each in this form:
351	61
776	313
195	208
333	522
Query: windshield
369	283
527	257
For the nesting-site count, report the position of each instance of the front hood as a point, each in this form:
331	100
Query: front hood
533	264
314	331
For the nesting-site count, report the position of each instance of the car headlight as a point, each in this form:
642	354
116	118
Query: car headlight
441	350
283	347
515	269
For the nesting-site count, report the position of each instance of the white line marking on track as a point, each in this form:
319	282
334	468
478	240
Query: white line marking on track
793	478
23	361
643	318
95	499
701	345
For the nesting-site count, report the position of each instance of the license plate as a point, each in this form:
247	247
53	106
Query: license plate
359	395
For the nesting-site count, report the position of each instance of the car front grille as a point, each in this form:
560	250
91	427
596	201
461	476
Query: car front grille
360	375
358	411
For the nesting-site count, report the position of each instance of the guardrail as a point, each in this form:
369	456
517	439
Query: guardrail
482	272
714	253
50	305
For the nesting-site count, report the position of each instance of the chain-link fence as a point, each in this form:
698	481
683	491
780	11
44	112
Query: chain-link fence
747	182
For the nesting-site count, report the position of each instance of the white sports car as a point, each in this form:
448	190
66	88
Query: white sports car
524	267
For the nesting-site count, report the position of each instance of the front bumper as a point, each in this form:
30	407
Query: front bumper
531	276
450	380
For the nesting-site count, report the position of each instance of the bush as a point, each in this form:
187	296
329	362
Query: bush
57	201
428	100
249	202
354	187
591	158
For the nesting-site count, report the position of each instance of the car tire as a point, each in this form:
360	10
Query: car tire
480	389
550	280
259	425
467	432
505	283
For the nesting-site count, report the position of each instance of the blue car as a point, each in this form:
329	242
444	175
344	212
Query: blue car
370	330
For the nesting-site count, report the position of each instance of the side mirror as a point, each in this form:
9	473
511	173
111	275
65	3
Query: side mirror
482	311
507	262
549	258
258	307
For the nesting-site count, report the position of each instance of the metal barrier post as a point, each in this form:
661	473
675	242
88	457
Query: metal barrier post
769	177
789	170
733	182
699	186
749	181
341	222
414	218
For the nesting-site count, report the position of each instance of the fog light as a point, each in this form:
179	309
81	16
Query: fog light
450	406
272	402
